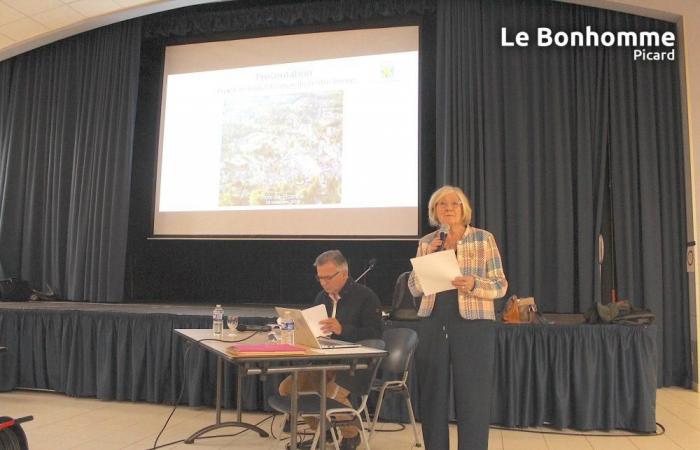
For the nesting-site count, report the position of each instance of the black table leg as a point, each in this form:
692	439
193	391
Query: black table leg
219	424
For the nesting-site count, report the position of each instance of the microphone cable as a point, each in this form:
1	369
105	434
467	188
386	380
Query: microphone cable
182	391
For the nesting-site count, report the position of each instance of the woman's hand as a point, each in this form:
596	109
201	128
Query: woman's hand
435	245
464	283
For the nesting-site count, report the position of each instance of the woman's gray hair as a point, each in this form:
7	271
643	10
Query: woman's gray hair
332	255
437	195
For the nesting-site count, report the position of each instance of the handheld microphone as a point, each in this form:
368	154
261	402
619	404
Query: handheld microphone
372	262
442	233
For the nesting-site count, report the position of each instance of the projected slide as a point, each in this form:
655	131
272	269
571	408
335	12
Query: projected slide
316	147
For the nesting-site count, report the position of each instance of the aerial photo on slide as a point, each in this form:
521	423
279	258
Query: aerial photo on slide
282	149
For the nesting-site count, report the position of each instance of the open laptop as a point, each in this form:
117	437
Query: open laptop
304	334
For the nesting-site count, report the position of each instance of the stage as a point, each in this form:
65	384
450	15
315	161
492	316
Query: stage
565	375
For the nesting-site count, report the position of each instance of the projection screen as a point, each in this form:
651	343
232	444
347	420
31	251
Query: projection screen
307	135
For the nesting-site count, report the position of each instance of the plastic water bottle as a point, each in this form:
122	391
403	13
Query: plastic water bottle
287	328
218	322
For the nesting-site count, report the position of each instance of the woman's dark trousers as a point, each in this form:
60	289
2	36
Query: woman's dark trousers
447	341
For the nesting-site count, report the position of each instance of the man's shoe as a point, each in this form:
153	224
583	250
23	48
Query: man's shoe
350	443
304	445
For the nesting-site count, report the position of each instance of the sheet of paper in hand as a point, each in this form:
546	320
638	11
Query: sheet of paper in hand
436	271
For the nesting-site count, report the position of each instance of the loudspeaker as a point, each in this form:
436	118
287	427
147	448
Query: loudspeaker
14	289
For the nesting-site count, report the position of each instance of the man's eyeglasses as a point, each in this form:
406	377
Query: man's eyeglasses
453	205
326	278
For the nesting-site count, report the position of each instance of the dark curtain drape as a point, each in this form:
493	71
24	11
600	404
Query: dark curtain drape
529	133
648	196
252	16
570	376
66	128
521	130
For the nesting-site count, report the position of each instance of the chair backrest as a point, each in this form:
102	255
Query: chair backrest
374	343
400	343
403	305
360	382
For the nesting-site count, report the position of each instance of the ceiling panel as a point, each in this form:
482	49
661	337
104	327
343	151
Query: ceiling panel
21	29
8	14
59	17
31	7
89	8
28	24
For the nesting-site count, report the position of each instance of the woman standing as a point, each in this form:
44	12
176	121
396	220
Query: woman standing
457	327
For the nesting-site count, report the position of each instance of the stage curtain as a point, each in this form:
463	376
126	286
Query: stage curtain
586	377
648	196
112	355
107	355
66	130
598	377
572	376
533	133
244	16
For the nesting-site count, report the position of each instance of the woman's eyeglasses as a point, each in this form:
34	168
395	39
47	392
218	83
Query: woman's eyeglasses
453	205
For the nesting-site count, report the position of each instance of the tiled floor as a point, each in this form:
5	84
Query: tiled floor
62	422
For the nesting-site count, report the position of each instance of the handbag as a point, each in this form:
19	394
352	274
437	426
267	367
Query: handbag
520	310
620	312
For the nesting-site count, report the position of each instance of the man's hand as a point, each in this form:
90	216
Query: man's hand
331	325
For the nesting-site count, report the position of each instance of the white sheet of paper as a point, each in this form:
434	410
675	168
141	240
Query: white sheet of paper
313	316
436	271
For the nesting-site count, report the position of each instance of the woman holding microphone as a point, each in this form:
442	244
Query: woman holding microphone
457	328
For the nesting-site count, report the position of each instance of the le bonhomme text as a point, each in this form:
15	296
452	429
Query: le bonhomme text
661	43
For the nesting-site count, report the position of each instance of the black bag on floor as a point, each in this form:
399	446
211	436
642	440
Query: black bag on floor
14	289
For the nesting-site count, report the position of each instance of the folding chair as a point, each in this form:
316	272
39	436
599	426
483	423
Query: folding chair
400	343
358	383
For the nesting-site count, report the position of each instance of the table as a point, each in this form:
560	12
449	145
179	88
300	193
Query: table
314	360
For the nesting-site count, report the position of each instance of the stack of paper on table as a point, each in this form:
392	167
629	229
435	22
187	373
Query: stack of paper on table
265	350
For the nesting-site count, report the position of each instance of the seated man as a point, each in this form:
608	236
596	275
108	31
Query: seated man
354	314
